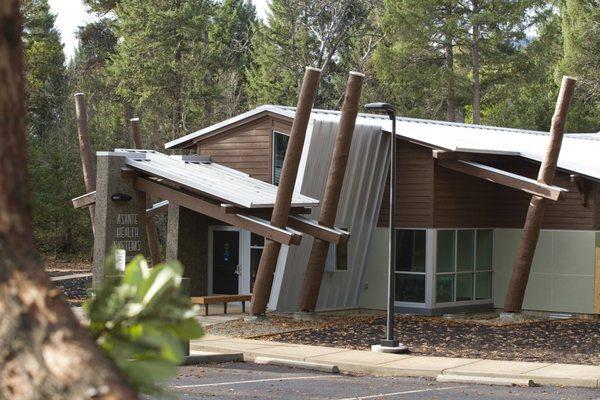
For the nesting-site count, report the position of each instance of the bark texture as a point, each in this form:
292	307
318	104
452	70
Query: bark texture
281	211
151	230
85	151
44	352
313	276
535	213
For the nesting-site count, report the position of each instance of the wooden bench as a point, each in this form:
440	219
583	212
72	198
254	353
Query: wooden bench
222	298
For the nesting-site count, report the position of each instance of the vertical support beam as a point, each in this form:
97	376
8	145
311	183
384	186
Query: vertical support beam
537	206
287	181
333	189
151	230
85	150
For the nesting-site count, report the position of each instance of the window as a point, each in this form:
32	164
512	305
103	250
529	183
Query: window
337	257
464	265
257	244
410	265
280	143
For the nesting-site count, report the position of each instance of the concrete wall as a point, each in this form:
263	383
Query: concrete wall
562	275
373	293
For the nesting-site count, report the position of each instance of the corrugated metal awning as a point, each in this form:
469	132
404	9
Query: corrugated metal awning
210	179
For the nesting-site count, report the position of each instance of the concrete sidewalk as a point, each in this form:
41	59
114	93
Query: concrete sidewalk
381	364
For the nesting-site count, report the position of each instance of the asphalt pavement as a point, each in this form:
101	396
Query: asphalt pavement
239	380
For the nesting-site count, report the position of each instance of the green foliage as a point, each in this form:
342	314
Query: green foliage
181	65
299	34
141	319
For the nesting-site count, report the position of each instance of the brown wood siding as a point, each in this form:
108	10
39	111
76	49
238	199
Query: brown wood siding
462	201
414	194
246	148
433	196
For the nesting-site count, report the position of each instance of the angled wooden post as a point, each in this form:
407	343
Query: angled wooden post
537	206
85	150
287	181
151	230
333	189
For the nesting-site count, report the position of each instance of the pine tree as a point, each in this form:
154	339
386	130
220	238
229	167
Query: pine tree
581	33
299	34
440	56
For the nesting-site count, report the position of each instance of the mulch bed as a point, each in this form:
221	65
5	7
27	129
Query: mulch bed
565	341
74	290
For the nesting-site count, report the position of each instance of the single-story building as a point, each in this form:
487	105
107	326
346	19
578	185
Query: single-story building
459	217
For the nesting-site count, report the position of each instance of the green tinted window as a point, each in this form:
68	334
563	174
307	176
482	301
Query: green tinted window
465	250
445	250
484	249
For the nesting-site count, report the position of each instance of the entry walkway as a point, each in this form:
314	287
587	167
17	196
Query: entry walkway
379	364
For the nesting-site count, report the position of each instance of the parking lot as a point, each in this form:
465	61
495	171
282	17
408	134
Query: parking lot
251	381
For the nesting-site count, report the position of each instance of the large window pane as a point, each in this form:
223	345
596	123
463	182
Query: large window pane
445	251
465	250
410	288
255	255
280	143
256	240
444	288
464	287
484	249
483	285
410	250
341	257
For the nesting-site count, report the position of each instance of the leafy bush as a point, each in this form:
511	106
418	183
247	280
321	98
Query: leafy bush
141	320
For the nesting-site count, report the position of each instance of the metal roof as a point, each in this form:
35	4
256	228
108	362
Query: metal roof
578	153
210	179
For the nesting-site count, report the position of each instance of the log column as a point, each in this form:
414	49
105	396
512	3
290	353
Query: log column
287	181
85	150
333	189
151	230
537	206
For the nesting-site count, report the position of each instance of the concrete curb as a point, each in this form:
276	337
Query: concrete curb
484	380
212	358
381	364
332	369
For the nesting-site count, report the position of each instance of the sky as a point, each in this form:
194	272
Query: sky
71	14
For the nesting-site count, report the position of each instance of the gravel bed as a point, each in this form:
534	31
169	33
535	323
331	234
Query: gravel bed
571	341
565	341
75	289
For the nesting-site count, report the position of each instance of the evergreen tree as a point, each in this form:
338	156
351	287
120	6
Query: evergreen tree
52	151
162	63
581	33
298	34
438	55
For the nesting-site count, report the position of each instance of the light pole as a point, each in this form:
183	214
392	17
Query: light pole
390	344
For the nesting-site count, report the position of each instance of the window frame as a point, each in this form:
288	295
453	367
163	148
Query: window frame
427	303
332	266
273	135
456	272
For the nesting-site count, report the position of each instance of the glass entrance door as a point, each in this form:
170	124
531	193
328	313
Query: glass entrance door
225	261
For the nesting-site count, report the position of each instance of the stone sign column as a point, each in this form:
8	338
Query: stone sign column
120	214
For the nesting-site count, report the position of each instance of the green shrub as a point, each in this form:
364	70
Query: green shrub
141	320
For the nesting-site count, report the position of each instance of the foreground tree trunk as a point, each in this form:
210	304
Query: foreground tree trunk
44	352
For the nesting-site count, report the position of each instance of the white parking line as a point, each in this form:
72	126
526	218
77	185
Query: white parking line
288	378
377	396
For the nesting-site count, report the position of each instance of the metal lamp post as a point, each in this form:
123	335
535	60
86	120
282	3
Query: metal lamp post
390	344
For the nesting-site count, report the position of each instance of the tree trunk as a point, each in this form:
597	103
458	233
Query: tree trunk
44	352
476	65
451	90
281	210
535	213
451	95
